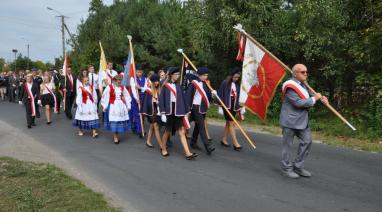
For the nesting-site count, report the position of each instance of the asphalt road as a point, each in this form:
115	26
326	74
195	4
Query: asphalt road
343	179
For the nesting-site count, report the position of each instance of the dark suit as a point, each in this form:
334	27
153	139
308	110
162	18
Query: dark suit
24	97
70	94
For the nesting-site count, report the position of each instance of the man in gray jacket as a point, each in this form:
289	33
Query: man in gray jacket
295	122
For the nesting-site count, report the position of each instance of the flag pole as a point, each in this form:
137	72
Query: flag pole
181	73
239	28
220	101
135	78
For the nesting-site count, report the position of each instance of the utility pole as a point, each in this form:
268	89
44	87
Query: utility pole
15	51
28	56
62	29
28	46
63	34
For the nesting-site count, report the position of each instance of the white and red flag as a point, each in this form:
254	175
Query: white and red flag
260	78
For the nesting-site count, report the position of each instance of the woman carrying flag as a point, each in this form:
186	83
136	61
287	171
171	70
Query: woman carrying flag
116	103
151	111
229	92
86	117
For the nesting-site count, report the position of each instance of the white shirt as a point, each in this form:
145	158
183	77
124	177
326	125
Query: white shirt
105	75
197	96
29	85
50	86
233	89
173	97
94	80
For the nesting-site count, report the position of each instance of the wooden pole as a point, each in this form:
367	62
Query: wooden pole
221	103
238	28
136	89
181	72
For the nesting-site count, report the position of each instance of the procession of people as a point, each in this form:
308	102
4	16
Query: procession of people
160	103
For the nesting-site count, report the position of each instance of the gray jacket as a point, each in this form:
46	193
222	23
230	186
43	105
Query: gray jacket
294	109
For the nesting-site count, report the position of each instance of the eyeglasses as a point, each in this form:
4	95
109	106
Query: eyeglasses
303	72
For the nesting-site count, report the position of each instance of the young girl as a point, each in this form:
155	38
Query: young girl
86	117
151	111
172	104
229	92
116	103
48	98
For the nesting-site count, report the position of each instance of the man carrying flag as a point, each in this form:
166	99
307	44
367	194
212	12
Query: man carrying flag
138	85
106	72
106	77
198	103
294	121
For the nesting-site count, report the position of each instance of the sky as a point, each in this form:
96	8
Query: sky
29	21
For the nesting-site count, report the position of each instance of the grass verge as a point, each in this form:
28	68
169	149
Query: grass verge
27	186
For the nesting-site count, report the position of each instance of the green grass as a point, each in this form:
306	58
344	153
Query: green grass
27	186
326	127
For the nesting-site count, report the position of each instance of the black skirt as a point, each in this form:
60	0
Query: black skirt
47	99
154	118
226	115
173	122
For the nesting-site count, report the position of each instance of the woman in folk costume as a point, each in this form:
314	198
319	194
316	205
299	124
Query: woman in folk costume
116	103
172	104
229	92
151	111
86	117
48	98
29	95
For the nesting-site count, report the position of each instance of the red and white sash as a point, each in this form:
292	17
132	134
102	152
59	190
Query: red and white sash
186	123
32	101
86	94
202	93
302	92
54	98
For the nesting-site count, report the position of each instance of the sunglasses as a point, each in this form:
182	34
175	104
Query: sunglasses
303	72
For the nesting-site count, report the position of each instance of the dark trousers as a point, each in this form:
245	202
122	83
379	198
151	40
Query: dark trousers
200	127
28	109
12	94
69	100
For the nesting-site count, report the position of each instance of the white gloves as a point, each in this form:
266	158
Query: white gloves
163	118
214	93
20	102
220	111
242	110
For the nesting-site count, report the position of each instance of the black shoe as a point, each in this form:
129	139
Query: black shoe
29	126
116	141
239	148
194	145
210	149
210	139
192	156
33	124
140	135
49	122
165	155
149	145
224	144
